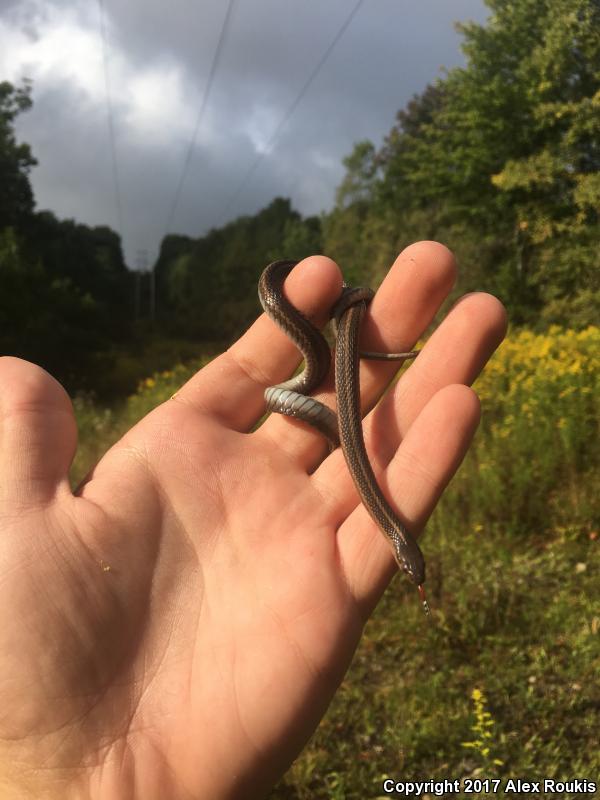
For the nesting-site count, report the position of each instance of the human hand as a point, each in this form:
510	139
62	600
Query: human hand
177	627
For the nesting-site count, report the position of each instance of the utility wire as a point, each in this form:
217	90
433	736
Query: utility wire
285	119
209	83
109	112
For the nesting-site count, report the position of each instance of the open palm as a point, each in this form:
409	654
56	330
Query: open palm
177	628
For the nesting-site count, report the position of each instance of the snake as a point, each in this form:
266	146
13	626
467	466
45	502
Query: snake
292	398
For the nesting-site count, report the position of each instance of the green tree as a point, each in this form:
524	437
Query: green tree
514	147
500	159
301	238
211	282
16	160
90	257
361	169
65	292
395	159
555	187
48	319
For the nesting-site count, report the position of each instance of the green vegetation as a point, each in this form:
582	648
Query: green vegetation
499	159
64	287
513	559
16	160
208	285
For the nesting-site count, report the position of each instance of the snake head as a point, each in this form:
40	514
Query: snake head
412	562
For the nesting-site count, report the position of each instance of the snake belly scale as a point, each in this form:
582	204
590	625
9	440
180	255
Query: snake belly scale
292	398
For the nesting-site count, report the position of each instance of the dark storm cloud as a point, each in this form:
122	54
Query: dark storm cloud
160	58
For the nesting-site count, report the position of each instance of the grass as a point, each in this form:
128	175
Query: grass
512	649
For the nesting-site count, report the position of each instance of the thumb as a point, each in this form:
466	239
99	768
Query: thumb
38	435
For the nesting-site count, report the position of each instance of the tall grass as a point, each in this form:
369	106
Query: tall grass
513	575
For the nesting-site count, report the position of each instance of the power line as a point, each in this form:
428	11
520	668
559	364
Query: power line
111	129
209	83
284	120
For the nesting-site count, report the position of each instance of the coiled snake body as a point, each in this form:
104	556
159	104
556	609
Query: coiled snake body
292	398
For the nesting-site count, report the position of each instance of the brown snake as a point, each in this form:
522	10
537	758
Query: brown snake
292	398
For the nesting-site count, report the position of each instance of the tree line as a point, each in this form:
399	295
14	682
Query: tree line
499	159
63	285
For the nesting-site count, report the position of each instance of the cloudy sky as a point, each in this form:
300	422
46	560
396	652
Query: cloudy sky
159	58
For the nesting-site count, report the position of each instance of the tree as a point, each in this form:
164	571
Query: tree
554	188
47	319
301	238
16	160
211	281
500	158
395	158
361	169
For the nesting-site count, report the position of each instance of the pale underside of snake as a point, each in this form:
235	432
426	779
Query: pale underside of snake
292	398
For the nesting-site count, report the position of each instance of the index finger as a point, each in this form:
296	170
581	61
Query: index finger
231	388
